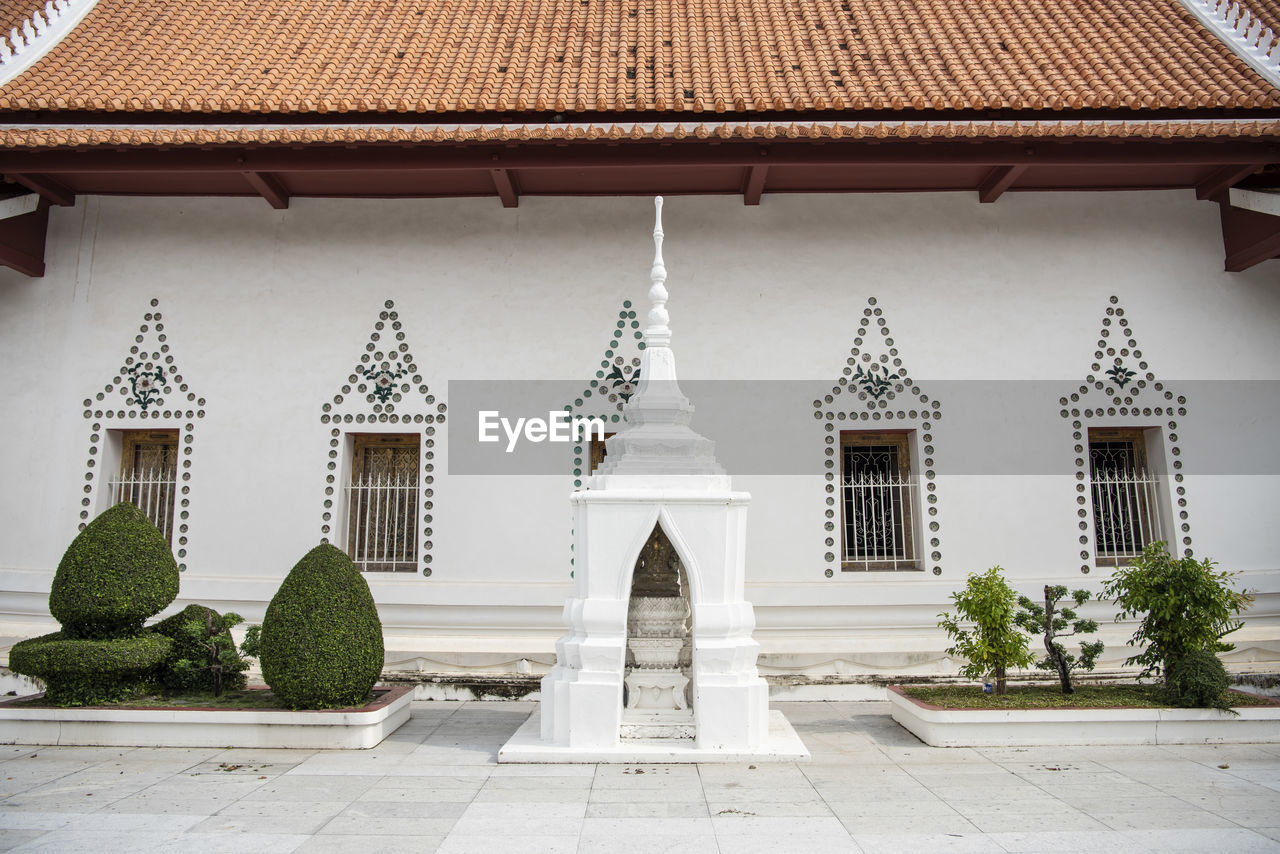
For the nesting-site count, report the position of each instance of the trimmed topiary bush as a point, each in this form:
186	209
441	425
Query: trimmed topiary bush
321	644
118	572
1198	680
79	672
203	656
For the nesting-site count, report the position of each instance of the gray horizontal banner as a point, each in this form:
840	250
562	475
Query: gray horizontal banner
956	427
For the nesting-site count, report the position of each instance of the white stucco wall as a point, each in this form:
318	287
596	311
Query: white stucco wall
266	312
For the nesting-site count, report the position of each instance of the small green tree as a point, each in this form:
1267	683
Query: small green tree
211	652
1051	621
993	644
1184	605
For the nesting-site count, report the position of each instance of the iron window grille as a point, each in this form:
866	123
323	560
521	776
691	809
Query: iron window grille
1126	516
879	502
148	475
382	500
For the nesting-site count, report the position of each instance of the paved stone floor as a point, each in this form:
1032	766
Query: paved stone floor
435	785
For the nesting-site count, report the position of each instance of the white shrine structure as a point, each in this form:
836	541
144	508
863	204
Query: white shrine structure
658	664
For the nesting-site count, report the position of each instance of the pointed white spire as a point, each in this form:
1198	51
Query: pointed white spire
658	333
658	439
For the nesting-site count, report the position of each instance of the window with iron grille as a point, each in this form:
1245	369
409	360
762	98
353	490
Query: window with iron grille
1125	493
382	499
148	475
878	502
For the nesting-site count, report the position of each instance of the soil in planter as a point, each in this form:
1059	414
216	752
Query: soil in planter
1050	697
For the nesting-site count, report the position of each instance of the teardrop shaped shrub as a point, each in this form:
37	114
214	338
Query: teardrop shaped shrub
118	572
321	636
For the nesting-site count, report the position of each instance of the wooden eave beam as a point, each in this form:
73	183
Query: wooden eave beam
998	180
22	240
47	188
1221	180
429	158
756	176
1248	237
269	187
506	188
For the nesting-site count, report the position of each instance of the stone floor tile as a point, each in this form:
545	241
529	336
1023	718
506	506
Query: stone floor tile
228	843
20	819
1237	840
640	826
963	843
1066	842
64	841
1272	832
582	770
313	788
292	809
371	844
660	845
11	839
933	824
767	808
415	767
891	808
386	824
623	795
102	822
732	827
1189	818
1046	820
458	844
389	794
531	796
527	824
292	824
633	809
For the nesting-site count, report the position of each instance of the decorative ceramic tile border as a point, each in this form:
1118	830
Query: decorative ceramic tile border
1242	31
874	380
385	388
40	33
1119	388
146	382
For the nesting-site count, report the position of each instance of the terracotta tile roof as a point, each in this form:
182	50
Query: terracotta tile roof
45	138
464	56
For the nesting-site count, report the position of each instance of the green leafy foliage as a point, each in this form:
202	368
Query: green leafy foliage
204	656
992	643
79	672
1184	605
321	644
114	575
1052	621
1198	680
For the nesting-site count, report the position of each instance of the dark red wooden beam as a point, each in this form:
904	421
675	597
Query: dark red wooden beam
1221	180
1248	237
428	158
47	188
998	180
22	240
756	176
506	188
269	187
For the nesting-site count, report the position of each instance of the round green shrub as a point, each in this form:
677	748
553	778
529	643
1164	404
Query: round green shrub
79	672
187	647
1198	680
321	636
114	575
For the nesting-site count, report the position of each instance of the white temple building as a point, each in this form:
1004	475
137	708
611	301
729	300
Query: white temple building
960	284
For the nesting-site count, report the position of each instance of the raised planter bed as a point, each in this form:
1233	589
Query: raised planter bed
941	727
349	729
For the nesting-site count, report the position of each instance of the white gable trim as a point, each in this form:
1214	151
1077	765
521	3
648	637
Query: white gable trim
39	34
1239	29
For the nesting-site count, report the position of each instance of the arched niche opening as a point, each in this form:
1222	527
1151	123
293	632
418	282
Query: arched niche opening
658	685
